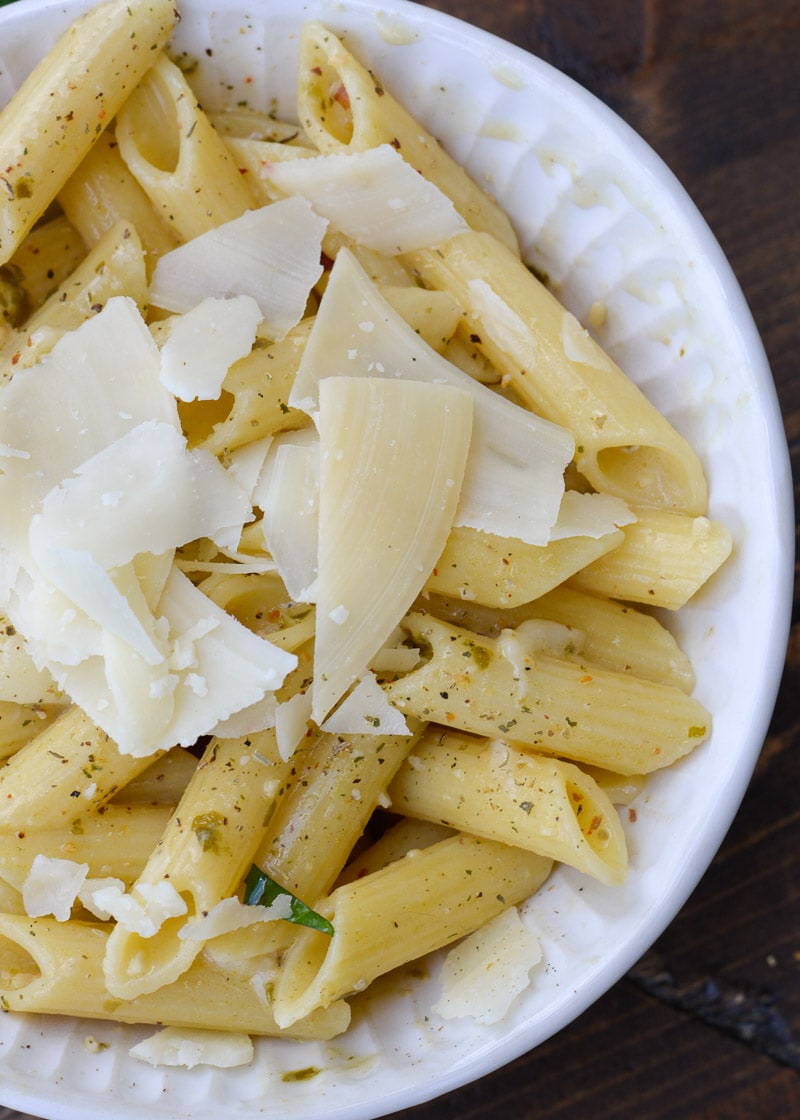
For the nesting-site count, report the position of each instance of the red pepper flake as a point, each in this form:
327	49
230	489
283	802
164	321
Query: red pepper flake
341	96
317	70
585	679
632	815
593	827
16	358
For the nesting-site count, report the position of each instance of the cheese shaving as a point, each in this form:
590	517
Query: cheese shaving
514	478
483	975
271	254
204	343
366	711
373	197
187	1047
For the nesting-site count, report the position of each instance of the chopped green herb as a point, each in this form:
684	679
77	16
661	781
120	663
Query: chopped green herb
260	890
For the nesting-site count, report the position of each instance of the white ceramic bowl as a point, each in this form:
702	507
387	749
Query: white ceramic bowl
605	219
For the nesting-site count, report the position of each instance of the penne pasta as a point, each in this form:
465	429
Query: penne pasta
19	723
615	635
555	705
172	150
58	112
52	250
456	885
343	106
114	841
67	770
502	572
102	191
114	267
201	858
664	560
495	790
40	958
624	445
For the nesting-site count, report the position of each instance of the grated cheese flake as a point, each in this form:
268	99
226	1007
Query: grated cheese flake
483	974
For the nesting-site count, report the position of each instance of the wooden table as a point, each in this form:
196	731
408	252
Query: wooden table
707	1024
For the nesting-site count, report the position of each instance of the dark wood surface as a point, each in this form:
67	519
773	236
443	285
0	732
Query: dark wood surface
707	1024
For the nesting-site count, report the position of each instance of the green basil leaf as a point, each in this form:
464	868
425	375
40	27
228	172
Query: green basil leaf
260	890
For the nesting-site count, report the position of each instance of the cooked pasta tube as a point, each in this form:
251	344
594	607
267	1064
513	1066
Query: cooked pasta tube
115	267
64	772
255	392
557	705
624	444
502	572
203	855
420	903
180	161
162	783
19	723
115	841
615	635
664	560
40	960
61	108
252	155
261	602
101	191
51	251
342	105
336	783
407	835
493	789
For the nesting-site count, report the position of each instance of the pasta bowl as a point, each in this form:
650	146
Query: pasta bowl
598	213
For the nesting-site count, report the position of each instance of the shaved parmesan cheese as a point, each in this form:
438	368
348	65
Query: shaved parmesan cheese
204	343
246	464
392	457
202	500
366	711
373	197
88	531
184	1046
51	887
590	515
249	720
144	911
395	659
291	723
75	403
288	496
514	480
230	914
483	974
271	254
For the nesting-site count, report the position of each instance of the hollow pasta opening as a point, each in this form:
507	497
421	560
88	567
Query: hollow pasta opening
18	968
643	474
154	122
